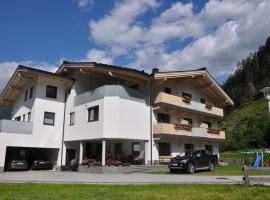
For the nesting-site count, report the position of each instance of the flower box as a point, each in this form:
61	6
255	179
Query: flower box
183	126
213	130
208	105
187	99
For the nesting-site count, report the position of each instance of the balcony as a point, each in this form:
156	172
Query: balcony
18	127
109	91
171	129
173	101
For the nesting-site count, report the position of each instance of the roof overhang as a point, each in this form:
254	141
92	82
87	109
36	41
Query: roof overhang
20	78
201	79
104	69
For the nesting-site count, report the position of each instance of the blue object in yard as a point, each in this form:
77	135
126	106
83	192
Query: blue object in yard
258	161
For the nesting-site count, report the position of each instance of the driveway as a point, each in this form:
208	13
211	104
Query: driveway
139	178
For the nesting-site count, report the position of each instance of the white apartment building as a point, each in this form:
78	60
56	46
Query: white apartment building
92	110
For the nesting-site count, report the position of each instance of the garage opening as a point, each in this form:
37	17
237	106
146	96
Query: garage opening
30	154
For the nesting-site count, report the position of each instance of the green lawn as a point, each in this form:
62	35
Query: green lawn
231	154
222	171
14	191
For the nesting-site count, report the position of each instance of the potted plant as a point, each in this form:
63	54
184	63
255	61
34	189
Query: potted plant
187	98
213	130
183	126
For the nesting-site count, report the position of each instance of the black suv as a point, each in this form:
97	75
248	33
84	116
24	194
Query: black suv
192	161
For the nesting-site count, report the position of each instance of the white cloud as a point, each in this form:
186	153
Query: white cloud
119	30
85	3
220	50
223	32
95	55
9	67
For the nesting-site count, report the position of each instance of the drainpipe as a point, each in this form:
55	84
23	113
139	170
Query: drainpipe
64	122
151	123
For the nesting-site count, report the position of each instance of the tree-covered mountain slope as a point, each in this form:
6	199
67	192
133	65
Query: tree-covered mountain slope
247	126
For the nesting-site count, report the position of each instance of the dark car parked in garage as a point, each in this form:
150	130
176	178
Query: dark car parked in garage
193	161
41	164
18	164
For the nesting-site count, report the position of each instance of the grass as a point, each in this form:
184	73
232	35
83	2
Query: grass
13	191
231	170
231	154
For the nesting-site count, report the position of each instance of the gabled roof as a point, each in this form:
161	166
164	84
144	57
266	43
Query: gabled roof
200	78
20	78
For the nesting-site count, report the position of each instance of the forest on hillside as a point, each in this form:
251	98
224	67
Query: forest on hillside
247	124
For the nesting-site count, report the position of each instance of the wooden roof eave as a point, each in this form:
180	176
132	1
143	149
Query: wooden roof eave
14	86
218	91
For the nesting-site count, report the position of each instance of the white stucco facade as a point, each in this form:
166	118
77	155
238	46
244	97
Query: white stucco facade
125	121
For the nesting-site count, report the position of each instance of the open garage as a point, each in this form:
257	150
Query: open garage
30	154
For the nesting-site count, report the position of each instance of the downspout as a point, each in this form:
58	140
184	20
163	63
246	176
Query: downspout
64	122
151	123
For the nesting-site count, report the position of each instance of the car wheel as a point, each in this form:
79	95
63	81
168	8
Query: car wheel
211	166
173	171
191	169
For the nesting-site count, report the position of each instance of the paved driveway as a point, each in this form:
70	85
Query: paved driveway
85	178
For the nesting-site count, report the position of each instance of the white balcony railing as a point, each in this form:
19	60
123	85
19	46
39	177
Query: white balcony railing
12	126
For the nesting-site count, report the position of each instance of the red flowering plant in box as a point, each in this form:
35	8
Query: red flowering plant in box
209	105
179	125
187	98
213	130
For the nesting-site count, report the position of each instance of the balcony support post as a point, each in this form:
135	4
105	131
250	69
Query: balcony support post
103	153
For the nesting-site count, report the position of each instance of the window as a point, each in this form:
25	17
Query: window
49	118
189	148
186	95
31	92
25	95
167	90
93	114
23	118
51	92
163	118
72	119
208	124
29	116
18	118
189	120
136	148
164	149
202	100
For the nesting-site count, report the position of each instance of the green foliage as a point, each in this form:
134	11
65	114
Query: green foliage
251	75
247	126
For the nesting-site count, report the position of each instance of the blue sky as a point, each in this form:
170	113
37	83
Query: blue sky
168	34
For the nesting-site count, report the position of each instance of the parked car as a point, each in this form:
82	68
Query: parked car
192	161
41	164
18	164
